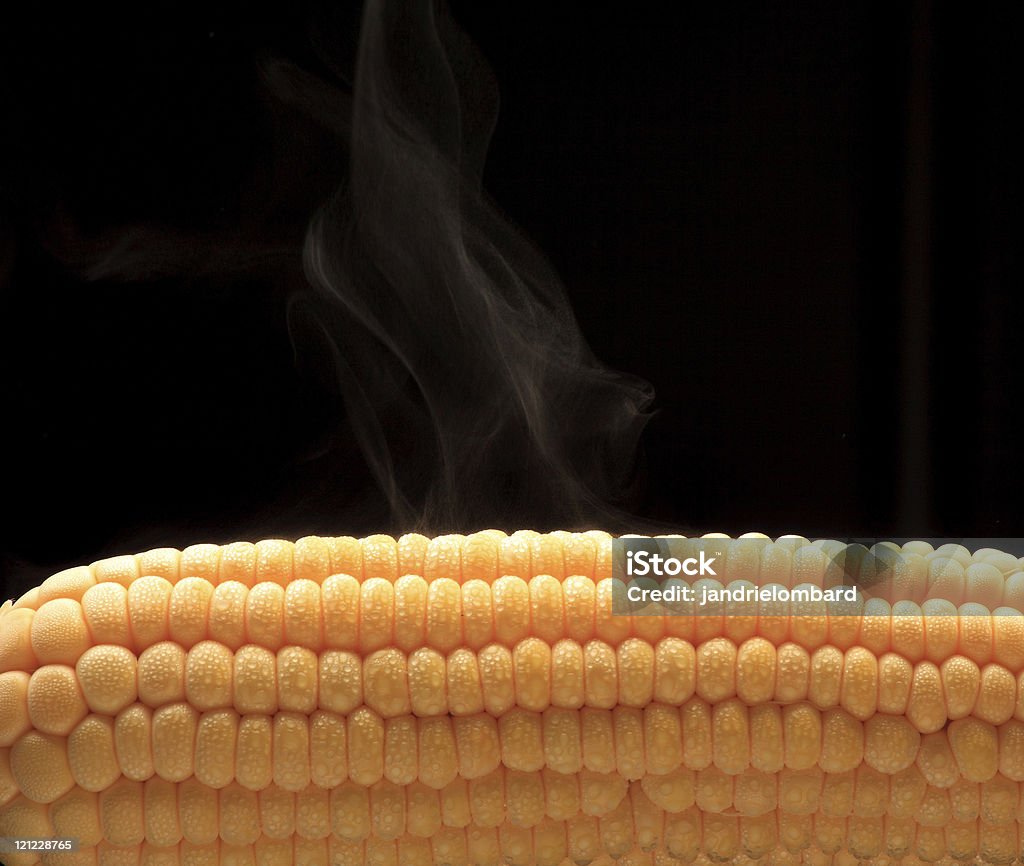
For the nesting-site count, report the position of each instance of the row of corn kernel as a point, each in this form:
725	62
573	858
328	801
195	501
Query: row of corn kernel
634	827
484	555
342	613
527	799
416	852
530	676
950	572
533	675
291	749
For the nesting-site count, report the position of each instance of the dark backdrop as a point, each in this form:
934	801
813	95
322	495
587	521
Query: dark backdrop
799	222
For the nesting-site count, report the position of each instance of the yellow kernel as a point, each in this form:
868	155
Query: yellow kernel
859	690
895	676
731	737
312	559
997	695
767	742
39	764
380	557
510	599
521	736
254	680
598	740
890	743
486	798
188	610
340	599
696	719
465	693
663	741
198	812
477	613
635	672
376	614
444	614
238	808
423	810
936	761
291	750
264	615
842	741
926	706
346	556
328	749
149	604
387	810
976	748
238	562
755	671
961	680
561	795
580	596
254	767
55	700
411	612
975	632
108	678
91	755
531	665
427	682
303	615
546	613
161	674
608	626
133	737
600	675
174	735
802	732
716	667
77	815
480	557
365	746
793	668
340	681
297	686
567	674
161	561
629	742
401	752
59	634
216	739
121	813
439	763
14	718
226	622
274	561
105	608
209	669
16	653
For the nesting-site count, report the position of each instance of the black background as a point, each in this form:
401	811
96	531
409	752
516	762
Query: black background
751	205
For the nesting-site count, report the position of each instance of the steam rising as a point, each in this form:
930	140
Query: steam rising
466	382
471	391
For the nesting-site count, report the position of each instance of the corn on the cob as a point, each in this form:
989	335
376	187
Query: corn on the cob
475	700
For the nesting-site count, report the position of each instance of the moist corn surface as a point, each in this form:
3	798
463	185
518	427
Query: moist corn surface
474	700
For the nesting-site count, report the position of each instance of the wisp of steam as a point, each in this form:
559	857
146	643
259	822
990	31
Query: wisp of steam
466	382
469	386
